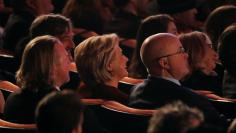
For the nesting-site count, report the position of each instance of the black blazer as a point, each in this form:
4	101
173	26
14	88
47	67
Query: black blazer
155	92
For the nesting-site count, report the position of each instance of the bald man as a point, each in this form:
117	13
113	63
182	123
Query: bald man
166	63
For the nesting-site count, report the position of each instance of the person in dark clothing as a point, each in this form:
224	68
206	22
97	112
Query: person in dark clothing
162	23
24	12
44	68
227	56
60	112
202	61
126	19
167	63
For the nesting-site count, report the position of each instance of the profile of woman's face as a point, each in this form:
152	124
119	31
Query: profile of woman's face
210	58
119	64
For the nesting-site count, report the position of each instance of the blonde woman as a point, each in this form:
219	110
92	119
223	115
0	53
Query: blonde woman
101	65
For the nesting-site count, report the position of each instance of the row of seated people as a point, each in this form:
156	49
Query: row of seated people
197	52
159	20
65	112
115	70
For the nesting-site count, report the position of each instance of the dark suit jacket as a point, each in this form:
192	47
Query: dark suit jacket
155	92
20	106
200	81
17	28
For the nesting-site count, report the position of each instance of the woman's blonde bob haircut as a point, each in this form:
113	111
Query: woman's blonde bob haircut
93	56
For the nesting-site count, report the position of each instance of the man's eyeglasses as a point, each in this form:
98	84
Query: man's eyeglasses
180	51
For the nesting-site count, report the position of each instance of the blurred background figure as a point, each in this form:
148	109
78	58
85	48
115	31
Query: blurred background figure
184	13
127	18
175	118
24	12
227	56
88	17
60	112
214	25
149	26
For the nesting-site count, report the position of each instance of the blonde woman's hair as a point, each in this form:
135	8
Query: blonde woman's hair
93	56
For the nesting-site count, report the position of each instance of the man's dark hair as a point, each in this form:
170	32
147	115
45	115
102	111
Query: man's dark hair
59	112
52	24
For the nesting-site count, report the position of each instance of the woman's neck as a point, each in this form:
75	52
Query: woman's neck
112	83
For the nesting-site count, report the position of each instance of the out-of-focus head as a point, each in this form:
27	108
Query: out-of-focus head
175	118
156	24
36	6
227	49
199	48
183	11
41	64
214	25
60	112
161	54
150	26
175	6
55	25
99	59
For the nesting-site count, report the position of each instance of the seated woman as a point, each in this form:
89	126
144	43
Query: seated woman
162	23
202	62
101	65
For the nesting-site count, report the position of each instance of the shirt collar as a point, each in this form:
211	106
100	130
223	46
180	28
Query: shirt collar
170	79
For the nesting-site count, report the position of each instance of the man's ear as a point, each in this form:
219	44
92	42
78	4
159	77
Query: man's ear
163	62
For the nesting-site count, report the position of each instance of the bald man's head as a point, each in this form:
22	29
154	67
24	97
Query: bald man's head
156	46
164	51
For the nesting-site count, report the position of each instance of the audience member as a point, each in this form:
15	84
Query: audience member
167	63
127	18
90	15
60	112
184	13
162	23
175	118
101	65
58	5
227	56
24	12
54	25
214	25
58	26
44	68
202	62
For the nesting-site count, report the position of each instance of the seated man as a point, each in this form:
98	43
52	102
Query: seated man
166	62
60	112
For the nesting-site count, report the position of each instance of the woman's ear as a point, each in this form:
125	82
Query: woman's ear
110	67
